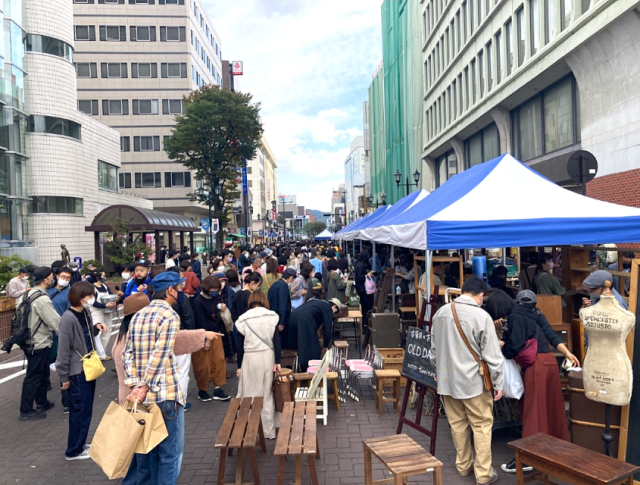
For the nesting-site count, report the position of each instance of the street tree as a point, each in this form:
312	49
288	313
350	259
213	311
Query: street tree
217	133
125	245
312	229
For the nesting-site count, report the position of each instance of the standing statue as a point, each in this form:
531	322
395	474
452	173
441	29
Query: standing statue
64	255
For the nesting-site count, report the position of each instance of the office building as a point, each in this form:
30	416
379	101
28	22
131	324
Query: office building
354	179
262	181
58	167
537	79
135	61
338	214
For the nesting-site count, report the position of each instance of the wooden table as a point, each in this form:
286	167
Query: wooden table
571	463
298	437
241	429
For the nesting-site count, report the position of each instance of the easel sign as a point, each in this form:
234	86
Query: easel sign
418	368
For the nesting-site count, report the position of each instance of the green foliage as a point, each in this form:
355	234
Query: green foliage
125	246
218	132
95	262
312	229
9	266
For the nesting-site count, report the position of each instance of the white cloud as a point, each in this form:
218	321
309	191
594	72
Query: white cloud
309	63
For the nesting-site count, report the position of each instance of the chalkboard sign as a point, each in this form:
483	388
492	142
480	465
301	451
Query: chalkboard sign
417	364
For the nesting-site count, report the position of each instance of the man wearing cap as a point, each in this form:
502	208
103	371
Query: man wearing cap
594	284
75	276
18	286
141	279
303	329
43	320
280	302
151	372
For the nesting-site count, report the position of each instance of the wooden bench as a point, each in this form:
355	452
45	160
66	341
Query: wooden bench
297	437
242	430
552	457
402	456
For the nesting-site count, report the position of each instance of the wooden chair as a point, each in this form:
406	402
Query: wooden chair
315	392
402	456
297	437
386	377
242	430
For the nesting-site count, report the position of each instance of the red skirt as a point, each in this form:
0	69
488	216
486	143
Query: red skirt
542	406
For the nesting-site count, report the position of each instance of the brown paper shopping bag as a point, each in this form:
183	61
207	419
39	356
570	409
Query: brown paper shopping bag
116	440
154	429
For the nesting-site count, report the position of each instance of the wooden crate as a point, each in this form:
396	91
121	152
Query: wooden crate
392	359
7	303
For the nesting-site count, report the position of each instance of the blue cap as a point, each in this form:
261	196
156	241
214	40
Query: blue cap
166	280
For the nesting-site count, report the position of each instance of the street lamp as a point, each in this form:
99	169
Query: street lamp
416	179
384	198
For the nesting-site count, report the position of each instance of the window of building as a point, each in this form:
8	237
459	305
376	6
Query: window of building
454	101
472	19
177	179
466	88
49	45
144	69
107	176
489	49
56	205
87	69
82	1
528	129
479	9
172	106
499	57
113	33
464	22
566	10
508	32
54	126
125	180
146	143
473	81
113	69
85	32
171	2
88	106
481	72
558	116
147	180
458	34
534	21
550	16
521	35
141	2
482	146
174	69
115	107
459	83
142	34
446	167
144	106
112	2
173	34
125	144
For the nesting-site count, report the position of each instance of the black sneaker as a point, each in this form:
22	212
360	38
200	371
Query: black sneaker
203	396
187	407
32	416
65	410
220	395
511	467
45	407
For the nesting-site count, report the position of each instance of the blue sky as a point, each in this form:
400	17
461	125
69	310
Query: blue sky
309	62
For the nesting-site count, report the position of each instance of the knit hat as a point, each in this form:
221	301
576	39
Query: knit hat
135	303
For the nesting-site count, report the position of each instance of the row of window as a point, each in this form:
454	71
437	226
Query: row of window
207	31
119	70
132	2
54	126
56	205
195	42
141	33
49	45
112	107
496	61
145	180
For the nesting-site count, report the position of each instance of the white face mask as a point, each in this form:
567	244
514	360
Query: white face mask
91	301
63	283
25	278
74	269
126	276
551	265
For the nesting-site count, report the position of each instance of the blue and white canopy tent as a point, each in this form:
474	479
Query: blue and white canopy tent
325	235
349	232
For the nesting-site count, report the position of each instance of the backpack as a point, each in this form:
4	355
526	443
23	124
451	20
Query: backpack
20	334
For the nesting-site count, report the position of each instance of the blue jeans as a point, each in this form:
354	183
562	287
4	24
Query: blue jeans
81	394
161	466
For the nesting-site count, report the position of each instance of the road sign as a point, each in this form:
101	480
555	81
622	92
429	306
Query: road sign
260	232
582	167
215	226
249	232
204	223
237	68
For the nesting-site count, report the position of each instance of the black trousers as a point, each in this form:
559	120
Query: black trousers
81	394
34	386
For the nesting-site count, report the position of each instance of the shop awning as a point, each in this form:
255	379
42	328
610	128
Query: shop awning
140	220
241	236
504	203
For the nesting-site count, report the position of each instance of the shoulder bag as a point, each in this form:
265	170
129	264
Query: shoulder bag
484	367
91	364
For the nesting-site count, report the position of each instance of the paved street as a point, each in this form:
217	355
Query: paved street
32	453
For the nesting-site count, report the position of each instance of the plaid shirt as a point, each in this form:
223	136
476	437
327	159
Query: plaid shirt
148	355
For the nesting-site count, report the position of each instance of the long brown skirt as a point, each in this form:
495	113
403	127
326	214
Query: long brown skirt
542	406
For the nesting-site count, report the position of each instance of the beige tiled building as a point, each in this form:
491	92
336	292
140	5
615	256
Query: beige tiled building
135	61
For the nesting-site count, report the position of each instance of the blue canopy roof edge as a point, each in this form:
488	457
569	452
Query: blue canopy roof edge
375	216
354	226
347	228
396	209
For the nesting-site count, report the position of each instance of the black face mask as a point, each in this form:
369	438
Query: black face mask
140	281
626	265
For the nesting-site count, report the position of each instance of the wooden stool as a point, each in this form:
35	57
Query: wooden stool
298	437
286	374
342	347
388	377
333	378
402	456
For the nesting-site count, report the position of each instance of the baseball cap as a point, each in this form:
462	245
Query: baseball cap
41	273
220	275
262	254
143	262
166	280
526	297
597	279
288	273
135	303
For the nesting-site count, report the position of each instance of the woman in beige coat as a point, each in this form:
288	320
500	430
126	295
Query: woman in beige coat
258	346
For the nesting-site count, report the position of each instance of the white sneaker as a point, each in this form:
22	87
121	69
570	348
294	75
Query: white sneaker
52	367
82	456
87	447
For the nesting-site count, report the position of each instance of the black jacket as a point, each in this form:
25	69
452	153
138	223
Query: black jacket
523	324
361	271
280	301
240	304
303	330
207	314
185	312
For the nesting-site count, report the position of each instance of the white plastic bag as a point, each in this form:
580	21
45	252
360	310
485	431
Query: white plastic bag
512	384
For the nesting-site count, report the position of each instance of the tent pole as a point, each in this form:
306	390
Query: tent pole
427	290
353	249
374	256
360	245
393	281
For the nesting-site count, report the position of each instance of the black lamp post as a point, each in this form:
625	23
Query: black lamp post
384	198
416	179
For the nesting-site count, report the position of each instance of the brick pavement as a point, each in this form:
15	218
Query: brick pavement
31	453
